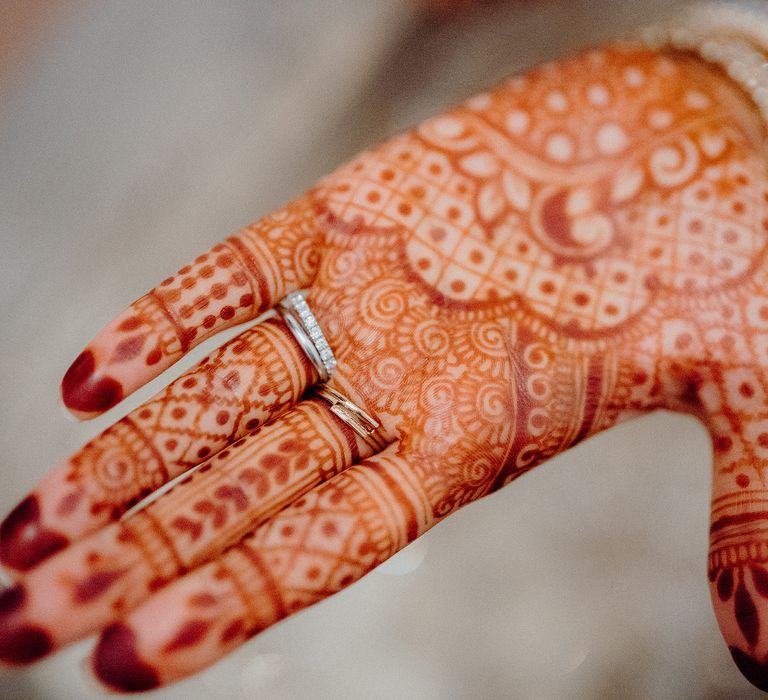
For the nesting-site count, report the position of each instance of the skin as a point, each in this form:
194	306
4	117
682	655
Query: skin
569	250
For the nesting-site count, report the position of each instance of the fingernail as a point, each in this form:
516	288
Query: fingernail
752	669
23	540
82	391
118	665
24	644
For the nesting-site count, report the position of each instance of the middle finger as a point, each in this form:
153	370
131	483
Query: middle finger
237	388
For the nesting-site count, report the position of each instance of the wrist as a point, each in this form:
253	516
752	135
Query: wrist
730	35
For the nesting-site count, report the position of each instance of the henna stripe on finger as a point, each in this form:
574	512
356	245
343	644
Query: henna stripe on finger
256	479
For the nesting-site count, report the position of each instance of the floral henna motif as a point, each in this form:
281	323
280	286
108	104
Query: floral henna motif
581	199
576	246
621	249
469	237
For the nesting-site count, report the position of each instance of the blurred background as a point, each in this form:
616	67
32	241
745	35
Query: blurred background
135	134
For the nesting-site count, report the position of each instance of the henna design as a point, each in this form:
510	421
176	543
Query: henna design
226	498
96	584
549	258
234	282
467	237
610	264
115	569
236	389
117	661
82	391
322	543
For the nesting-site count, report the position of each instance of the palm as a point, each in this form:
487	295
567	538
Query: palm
497	285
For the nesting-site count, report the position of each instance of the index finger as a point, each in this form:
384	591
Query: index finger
235	281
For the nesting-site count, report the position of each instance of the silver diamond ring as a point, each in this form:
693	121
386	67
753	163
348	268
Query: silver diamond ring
304	326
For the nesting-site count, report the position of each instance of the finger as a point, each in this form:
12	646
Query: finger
234	282
237	388
87	585
718	376
320	544
738	556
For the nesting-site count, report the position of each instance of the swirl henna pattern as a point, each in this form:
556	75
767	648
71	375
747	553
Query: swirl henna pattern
579	245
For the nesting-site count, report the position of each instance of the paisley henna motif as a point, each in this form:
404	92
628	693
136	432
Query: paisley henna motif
488	219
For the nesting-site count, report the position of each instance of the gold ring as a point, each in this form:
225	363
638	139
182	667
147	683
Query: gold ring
354	416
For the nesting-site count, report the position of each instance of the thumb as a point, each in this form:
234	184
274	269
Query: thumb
738	548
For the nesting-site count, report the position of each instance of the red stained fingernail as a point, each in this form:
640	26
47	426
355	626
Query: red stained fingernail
754	671
81	391
24	644
23	540
118	665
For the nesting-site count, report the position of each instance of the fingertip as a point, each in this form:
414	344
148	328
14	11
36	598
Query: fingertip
116	662
24	542
20	644
85	392
23	645
756	672
68	413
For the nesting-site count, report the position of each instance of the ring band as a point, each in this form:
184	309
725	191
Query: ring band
304	326
354	416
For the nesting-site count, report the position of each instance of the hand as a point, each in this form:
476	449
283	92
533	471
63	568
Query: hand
571	249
